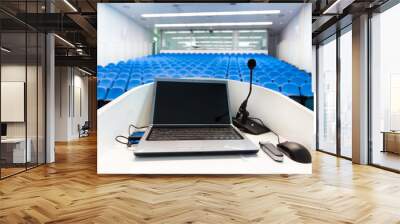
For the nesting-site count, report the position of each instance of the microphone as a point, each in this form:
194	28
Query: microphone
243	114
242	120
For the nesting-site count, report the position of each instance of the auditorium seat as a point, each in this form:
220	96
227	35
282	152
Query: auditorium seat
305	90
133	83
219	76
263	79
101	93
124	75
120	83
297	81
280	80
290	89
106	83
114	92
272	86
274	74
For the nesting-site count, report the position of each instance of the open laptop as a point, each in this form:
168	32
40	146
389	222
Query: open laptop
192	117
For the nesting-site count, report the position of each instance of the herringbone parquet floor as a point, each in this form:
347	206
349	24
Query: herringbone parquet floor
70	191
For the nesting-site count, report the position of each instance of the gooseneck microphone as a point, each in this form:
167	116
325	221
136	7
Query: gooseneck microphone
242	120
243	114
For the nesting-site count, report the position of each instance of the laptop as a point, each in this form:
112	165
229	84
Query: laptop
191	117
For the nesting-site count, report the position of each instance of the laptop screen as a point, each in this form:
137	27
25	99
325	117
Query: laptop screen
191	102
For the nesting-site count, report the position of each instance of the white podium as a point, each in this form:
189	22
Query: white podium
289	119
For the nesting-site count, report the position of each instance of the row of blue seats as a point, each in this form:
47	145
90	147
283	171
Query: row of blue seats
204	69
108	93
208	73
280	80
163	61
114	79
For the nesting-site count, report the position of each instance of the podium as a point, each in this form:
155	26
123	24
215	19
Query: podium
289	119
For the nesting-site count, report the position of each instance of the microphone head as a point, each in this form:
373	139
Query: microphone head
251	64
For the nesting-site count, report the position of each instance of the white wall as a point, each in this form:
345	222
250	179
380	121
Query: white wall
71	103
119	37
295	41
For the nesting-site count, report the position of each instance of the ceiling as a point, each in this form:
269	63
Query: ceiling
288	11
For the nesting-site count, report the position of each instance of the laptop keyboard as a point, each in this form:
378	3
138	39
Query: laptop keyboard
203	133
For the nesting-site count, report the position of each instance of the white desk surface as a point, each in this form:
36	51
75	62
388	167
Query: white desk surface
120	159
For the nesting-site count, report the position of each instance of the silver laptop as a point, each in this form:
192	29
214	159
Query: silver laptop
192	117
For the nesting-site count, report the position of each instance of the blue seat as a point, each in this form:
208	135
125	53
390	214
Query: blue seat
121	83
106	83
101	75
274	74
101	93
280	80
177	77
305	90
263	79
135	76
133	83
161	76
219	76
289	89
297	80
124	75
111	75
188	76
272	86
114	92
101	68
289	74
246	78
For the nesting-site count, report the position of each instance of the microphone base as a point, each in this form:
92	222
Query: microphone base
250	126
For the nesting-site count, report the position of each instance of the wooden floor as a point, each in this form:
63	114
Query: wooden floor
70	191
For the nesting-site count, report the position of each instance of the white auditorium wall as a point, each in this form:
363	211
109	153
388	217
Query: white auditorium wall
295	40
71	102
119	37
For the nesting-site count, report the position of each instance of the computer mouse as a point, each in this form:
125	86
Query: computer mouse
295	151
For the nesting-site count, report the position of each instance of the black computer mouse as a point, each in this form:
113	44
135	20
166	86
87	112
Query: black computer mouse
295	151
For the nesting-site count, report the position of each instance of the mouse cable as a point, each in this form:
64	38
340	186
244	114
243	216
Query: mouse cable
135	127
127	143
262	123
122	142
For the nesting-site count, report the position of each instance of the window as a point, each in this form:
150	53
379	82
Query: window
346	93
218	40
385	89
327	96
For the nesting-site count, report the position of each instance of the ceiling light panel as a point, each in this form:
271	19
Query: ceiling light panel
196	14
166	25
